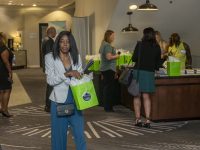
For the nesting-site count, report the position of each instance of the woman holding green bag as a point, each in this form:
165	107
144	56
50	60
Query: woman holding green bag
108	69
180	50
60	66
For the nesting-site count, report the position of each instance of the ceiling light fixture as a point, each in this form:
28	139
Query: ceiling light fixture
129	28
34	5
148	6
133	7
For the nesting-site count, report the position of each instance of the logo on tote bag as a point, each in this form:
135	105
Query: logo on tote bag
86	96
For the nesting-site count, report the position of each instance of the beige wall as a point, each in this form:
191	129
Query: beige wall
10	21
31	35
32	32
27	20
102	11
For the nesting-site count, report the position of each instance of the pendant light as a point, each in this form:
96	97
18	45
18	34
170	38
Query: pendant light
129	28
148	6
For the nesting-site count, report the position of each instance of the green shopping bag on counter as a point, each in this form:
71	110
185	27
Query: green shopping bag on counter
174	68
127	59
120	60
84	95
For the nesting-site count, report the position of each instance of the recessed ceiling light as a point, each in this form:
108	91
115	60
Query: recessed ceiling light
10	3
34	5
22	4
133	7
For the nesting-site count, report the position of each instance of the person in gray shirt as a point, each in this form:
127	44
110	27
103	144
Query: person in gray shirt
108	69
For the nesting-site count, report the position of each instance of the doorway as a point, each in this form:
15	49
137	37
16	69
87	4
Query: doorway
42	35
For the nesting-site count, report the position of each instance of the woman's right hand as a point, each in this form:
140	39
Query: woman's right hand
117	56
10	77
73	73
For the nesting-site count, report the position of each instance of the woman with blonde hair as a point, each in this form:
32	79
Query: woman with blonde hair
163	46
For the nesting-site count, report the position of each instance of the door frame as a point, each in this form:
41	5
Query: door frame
41	26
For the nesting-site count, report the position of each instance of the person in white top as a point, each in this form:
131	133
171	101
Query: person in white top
60	66
163	46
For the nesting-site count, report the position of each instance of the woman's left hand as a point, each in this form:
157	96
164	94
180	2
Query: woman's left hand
73	73
116	75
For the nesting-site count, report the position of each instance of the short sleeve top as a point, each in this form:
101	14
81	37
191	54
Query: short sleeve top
105	63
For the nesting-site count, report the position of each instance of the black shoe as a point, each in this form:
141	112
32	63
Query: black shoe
47	109
138	124
6	114
147	125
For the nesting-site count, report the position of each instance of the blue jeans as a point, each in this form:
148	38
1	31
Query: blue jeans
59	127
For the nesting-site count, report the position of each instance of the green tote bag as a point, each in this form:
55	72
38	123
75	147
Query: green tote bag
84	95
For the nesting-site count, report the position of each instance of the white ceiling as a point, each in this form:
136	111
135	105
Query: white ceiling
39	3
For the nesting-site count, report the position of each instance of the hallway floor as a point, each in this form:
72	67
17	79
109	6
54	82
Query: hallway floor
29	128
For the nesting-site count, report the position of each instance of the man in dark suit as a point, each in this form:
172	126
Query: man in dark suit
47	47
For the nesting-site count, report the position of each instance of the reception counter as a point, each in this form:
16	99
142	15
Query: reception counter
175	98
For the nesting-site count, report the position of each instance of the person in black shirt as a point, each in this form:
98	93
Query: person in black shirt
6	57
47	47
147	57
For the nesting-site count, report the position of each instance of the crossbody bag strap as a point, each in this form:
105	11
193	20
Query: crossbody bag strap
139	53
129	62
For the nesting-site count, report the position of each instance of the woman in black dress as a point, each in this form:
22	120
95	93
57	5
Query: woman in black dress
6	57
147	57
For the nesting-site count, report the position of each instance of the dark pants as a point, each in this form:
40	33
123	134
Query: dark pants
108	89
48	92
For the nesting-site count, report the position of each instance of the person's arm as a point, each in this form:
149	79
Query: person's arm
165	50
135	53
79	66
110	56
108	53
76	73
188	63
54	78
158	58
5	59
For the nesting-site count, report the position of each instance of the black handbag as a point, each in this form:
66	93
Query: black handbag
126	75
65	109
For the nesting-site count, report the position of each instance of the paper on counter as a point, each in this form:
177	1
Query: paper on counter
173	59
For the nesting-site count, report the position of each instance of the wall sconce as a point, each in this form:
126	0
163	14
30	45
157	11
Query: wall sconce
129	28
148	6
18	43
